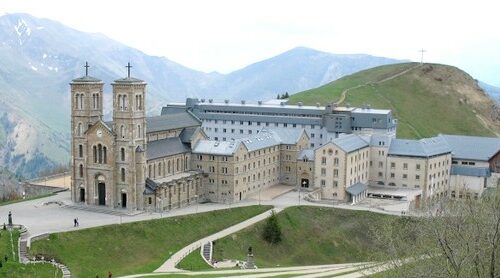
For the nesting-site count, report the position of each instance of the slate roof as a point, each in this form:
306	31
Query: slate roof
419	148
171	121
187	134
377	140
356	188
150	187
350	143
470	171
216	147
86	79
306	153
289	136
472	147
165	147
129	80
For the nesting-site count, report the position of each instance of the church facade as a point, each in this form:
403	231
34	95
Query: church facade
118	164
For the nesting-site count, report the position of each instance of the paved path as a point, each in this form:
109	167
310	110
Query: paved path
169	265
267	272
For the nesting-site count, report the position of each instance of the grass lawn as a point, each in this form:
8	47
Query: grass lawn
4	203
310	236
194	262
138	247
12	268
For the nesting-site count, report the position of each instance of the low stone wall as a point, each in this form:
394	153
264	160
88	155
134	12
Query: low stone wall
32	190
42	179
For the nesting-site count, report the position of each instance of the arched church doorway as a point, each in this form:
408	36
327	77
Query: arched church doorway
82	195
124	200
101	190
304	183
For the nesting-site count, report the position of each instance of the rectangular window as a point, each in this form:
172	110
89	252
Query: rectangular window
392	175
417	166
393	165
405	166
323	171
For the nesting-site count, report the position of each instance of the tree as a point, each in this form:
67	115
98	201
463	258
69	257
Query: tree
453	238
278	97
285	96
272	230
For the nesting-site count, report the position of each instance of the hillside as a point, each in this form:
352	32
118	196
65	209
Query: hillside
39	57
426	99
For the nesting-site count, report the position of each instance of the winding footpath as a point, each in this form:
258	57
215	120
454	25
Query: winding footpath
169	265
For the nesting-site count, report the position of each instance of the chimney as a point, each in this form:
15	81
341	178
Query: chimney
243	102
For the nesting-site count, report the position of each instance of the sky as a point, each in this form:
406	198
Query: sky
224	35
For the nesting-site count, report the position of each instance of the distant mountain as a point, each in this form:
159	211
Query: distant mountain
293	71
39	57
493	91
425	99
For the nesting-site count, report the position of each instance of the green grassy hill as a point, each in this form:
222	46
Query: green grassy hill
136	247
426	99
310	236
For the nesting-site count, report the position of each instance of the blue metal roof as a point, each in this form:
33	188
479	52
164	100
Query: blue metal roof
350	143
470	171
356	188
472	147
419	148
306	153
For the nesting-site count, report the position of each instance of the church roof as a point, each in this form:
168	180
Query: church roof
165	147
129	80
171	121
150	187
187	134
86	79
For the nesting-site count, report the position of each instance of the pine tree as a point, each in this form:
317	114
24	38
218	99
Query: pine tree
272	230
278	97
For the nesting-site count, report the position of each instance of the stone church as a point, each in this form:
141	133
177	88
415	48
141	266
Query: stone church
134	161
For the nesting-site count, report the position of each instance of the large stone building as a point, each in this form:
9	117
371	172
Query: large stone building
133	161
225	121
222	152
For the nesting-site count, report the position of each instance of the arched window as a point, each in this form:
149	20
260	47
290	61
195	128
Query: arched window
122	131
95	154
99	153
105	159
139	131
81	101
122	154
150	171
97	101
81	171
169	167
164	173
79	129
122	174
80	150
77	101
177	165
120	104
125	102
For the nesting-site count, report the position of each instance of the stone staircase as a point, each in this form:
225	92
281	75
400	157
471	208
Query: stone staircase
206	252
23	253
105	210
